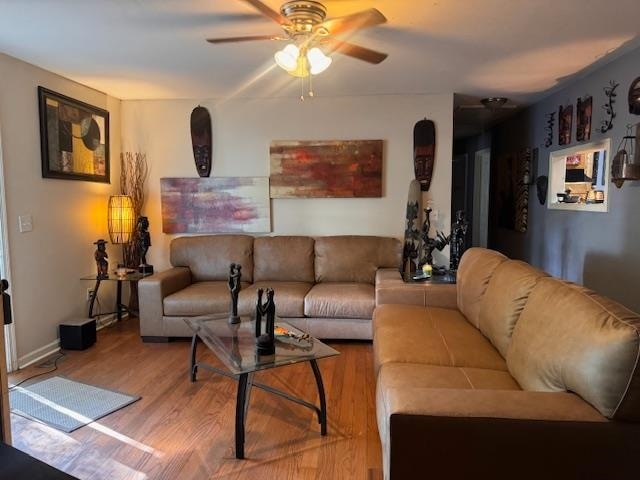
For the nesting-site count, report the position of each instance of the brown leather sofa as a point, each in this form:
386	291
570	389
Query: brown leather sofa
526	377
324	285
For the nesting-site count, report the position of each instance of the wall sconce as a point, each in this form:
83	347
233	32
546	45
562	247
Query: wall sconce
121	219
626	163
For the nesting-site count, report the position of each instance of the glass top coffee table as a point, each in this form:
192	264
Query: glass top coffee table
235	346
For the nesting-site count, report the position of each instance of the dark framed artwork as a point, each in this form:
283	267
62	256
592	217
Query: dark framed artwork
634	97
74	138
565	121
583	119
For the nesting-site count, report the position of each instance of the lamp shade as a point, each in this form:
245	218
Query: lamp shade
287	58
121	218
318	61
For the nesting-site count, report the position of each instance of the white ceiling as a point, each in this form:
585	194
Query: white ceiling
135	49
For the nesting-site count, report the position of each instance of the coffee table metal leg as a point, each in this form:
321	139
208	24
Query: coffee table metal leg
193	368
241	405
323	401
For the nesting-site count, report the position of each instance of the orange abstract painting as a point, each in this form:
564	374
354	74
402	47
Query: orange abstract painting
326	169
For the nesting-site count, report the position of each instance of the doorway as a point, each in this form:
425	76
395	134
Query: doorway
9	331
481	178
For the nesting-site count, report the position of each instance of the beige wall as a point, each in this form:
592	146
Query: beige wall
244	128
68	216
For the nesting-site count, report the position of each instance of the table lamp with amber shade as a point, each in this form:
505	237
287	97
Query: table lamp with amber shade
121	219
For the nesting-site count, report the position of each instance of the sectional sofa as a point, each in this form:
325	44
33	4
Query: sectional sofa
323	285
524	376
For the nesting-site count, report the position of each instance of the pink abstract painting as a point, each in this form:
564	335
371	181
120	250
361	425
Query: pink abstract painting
215	205
338	169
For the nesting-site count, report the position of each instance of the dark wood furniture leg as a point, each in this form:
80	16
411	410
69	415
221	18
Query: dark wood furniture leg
94	296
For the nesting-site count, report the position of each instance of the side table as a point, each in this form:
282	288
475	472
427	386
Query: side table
437	291
120	307
449	277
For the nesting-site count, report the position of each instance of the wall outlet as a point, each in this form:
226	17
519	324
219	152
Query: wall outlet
90	294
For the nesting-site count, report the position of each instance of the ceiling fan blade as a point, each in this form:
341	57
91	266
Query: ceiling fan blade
249	38
355	51
471	107
268	11
355	21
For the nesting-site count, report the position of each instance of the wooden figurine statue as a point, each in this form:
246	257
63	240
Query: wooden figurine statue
144	242
430	243
235	275
458	234
259	313
101	258
266	342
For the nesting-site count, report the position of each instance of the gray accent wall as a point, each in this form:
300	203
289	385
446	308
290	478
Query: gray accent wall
598	250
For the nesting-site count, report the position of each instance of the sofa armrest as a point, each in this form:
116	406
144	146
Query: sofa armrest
501	435
391	288
151	293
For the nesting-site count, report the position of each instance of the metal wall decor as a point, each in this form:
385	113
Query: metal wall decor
611	94
542	186
429	244
551	121
626	163
634	97
584	109
565	121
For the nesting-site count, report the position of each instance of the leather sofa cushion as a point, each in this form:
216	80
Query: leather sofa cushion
416	375
340	300
476	268
431	336
354	258
200	298
208	256
569	338
288	297
504	300
283	258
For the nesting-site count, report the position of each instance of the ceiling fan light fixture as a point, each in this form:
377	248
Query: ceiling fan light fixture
318	61
287	58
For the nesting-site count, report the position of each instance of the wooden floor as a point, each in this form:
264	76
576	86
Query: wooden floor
180	430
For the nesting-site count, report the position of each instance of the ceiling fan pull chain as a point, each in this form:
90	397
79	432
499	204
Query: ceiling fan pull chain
302	89
310	85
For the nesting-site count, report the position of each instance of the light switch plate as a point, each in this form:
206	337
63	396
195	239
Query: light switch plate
25	223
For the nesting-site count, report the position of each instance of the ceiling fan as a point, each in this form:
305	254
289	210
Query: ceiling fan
304	25
492	104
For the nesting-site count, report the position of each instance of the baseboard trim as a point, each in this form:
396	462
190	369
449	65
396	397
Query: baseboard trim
108	320
38	354
54	347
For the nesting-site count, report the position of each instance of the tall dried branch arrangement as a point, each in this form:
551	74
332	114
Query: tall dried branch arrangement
133	173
